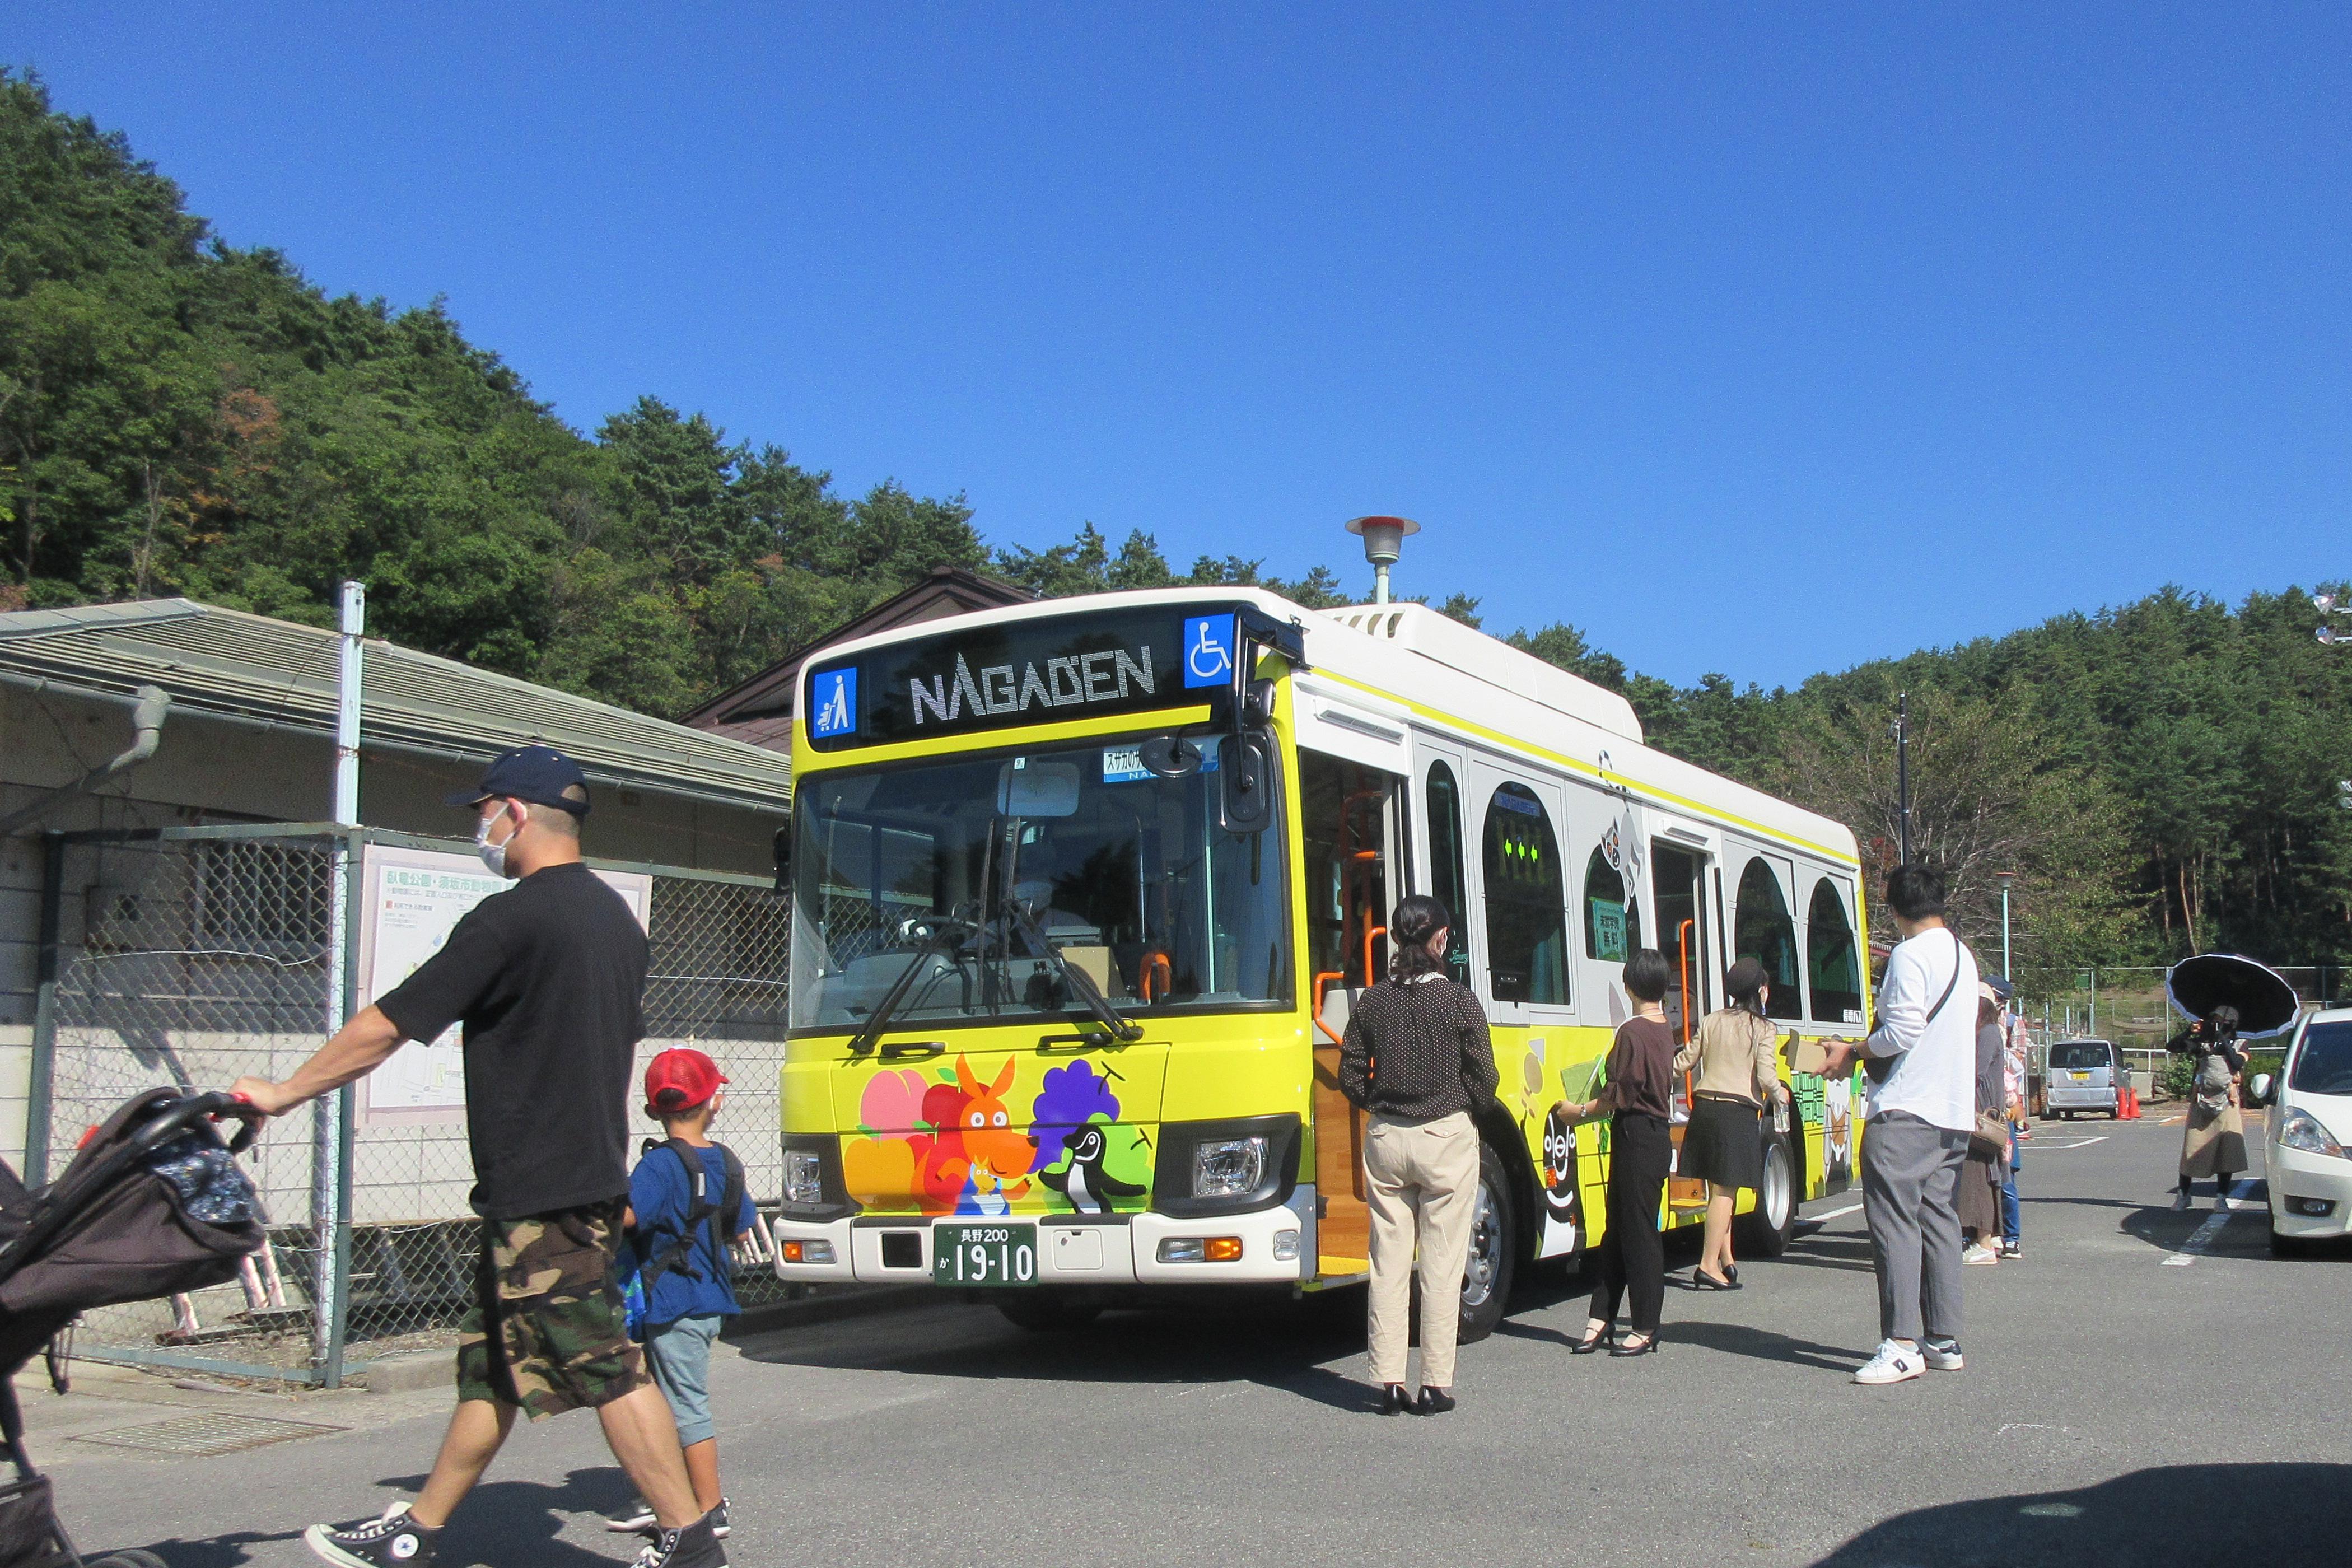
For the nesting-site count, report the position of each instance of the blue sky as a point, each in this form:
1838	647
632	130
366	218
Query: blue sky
1756	339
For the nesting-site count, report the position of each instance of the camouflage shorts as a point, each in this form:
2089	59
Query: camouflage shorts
545	1331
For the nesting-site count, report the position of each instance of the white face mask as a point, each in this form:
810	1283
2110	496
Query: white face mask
494	855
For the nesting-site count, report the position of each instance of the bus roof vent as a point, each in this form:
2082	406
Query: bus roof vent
1419	629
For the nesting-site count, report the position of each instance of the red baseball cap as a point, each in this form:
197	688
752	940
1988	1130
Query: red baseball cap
680	1079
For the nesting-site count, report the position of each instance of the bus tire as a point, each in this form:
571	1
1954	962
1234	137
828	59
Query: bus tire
1047	1311
1765	1230
1492	1265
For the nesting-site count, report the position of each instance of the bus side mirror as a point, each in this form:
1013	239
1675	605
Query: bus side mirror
1245	782
784	859
1257	704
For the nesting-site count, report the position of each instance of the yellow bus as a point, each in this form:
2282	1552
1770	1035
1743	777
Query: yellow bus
1083	890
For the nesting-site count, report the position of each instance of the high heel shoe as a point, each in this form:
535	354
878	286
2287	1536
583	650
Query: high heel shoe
1702	1280
1731	1273
1592	1341
1393	1400
1648	1344
1434	1402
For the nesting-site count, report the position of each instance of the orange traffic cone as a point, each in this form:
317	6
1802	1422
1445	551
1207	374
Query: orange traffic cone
2129	1108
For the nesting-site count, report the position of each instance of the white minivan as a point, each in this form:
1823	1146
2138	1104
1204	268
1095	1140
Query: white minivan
2308	1134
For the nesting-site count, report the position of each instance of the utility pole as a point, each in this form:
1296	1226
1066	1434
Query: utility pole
2007	881
1903	772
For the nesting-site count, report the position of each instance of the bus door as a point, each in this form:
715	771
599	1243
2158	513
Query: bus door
1679	887
1349	821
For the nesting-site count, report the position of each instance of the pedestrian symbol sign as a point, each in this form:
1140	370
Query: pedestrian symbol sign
834	694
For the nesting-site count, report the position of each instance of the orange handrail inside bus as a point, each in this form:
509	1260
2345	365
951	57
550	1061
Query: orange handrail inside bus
1371	935
1328	1029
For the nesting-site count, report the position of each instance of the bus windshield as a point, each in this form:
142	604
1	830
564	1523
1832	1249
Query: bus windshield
914	870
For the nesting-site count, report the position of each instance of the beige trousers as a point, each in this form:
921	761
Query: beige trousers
1421	1178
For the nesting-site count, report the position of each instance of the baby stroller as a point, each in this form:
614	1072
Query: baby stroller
153	1204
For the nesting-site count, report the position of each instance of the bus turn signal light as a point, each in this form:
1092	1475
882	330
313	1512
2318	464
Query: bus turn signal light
1224	1249
808	1252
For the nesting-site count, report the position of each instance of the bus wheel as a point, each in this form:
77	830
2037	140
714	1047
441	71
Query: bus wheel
1049	1310
1493	1260
1764	1230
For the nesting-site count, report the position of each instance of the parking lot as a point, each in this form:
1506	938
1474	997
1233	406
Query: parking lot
2146	1386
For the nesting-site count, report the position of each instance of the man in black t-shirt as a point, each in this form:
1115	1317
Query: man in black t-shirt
548	979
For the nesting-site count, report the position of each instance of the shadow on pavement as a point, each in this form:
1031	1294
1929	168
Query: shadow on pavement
2185	1516
1274	1342
221	1551
1763	1345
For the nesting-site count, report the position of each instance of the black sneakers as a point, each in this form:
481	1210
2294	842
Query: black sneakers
638	1519
696	1546
390	1542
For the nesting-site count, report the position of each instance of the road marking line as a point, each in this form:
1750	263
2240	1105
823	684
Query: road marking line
1834	1213
2055	1148
2194	1247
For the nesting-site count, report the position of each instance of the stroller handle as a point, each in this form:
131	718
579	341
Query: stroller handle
173	1120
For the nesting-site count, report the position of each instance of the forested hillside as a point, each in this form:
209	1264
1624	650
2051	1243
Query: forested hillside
181	417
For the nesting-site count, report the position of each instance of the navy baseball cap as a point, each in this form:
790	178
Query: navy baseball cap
540	774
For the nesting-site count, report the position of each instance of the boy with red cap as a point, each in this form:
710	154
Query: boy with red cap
687	1203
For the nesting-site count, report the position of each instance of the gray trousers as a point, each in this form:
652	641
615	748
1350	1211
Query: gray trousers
1910	1181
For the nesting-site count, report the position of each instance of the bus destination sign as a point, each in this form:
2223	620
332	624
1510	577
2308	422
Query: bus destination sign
1023	672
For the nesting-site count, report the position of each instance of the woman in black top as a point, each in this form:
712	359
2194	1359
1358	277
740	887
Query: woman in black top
1639	1103
1416	1056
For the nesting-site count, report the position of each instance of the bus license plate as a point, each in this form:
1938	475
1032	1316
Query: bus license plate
984	1254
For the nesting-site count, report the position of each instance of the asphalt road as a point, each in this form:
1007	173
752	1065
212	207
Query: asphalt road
2120	1406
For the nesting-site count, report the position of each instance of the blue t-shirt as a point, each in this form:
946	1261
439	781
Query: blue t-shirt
659	1192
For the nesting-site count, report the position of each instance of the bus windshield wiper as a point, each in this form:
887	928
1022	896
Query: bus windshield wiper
1122	1028
934	935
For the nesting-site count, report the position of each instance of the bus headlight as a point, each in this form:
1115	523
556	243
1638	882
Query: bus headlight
804	1177
1228	1167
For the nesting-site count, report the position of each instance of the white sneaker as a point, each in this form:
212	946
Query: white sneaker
1941	1355
1978	1252
2180	1200
1895	1363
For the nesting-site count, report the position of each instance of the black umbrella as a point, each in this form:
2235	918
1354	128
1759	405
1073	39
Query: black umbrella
2266	1004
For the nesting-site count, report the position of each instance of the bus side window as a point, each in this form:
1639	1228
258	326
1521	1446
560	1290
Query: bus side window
1611	926
1448	876
1527	909
1829	956
1762	930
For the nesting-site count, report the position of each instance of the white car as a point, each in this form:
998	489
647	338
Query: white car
2308	1134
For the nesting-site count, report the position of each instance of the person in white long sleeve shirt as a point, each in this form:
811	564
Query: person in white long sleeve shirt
1920	1105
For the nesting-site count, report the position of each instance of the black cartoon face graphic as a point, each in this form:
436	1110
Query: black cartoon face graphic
1088	1148
1559	1168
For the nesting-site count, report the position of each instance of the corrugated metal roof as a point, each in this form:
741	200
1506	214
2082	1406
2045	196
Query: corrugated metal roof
226	661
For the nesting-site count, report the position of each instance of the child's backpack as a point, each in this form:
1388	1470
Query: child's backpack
637	1278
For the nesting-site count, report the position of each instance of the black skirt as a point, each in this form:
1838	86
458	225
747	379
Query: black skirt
1722	1144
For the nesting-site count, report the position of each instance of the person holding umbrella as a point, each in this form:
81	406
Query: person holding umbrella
2214	1141
2232	999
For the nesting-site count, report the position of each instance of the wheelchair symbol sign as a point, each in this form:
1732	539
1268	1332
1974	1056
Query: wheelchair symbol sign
1208	651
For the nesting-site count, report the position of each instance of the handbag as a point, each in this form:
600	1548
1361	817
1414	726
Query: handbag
1989	1137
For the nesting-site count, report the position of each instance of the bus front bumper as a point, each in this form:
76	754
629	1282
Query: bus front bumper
1275	1246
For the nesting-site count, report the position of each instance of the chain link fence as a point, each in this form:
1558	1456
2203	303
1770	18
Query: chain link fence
191	957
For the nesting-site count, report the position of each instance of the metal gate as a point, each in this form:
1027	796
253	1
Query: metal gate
189	957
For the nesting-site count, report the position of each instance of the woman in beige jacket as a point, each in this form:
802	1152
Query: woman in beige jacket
1723	1145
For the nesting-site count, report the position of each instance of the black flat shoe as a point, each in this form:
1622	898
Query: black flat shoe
1587	1346
1393	1400
1644	1348
1434	1402
1702	1280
